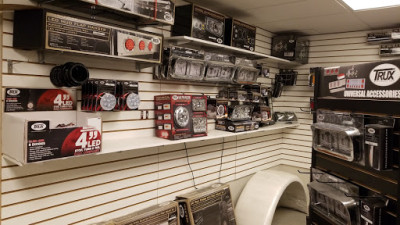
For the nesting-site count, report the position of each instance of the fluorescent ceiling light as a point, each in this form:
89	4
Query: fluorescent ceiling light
371	4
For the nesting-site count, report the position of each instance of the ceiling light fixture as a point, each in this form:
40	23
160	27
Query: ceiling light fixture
371	4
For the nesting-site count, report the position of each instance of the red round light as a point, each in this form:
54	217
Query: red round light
142	45
129	44
150	46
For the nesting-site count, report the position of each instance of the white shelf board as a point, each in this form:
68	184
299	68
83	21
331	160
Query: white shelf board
132	143
207	45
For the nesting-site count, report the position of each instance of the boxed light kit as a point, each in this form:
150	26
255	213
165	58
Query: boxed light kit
334	198
212	206
54	31
246	72
51	135
236	126
220	67
27	99
182	64
239	34
291	48
161	214
198	22
180	116
147	11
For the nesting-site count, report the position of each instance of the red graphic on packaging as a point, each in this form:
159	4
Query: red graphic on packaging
81	141
355	84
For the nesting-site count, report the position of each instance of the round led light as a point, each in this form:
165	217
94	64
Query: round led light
142	45
181	116
108	101
150	46
129	44
220	110
133	101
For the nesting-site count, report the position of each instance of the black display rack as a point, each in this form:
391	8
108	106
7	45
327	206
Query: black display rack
384	183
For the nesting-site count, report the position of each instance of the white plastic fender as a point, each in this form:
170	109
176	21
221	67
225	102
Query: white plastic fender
264	192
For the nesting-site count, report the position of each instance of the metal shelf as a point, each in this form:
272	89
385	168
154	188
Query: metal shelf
187	41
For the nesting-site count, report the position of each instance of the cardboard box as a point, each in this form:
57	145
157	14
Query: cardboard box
209	206
197	22
164	213
240	35
291	48
54	31
235	127
173	116
27	99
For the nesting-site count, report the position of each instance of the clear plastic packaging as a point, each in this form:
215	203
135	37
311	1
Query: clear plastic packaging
336	140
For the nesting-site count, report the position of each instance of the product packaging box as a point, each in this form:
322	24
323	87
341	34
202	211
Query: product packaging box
161	214
197	22
147	11
212	206
27	99
127	95
173	116
238	126
180	116
291	48
99	95
181	63
239	34
54	31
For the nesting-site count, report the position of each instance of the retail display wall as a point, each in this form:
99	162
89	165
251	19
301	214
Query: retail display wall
92	188
325	51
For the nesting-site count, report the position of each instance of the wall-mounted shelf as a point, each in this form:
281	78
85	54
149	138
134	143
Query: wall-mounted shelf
187	41
132	143
135	143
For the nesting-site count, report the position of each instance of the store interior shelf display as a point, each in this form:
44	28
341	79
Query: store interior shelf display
187	41
129	143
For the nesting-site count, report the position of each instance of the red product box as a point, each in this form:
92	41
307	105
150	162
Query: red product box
173	116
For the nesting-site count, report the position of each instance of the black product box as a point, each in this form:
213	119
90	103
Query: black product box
240	35
211	108
211	206
139	12
43	30
164	213
371	211
379	37
389	50
239	126
148	11
291	48
26	99
44	143
284	47
379	143
127	95
197	22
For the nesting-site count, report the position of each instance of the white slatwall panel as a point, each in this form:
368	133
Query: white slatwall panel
325	50
92	188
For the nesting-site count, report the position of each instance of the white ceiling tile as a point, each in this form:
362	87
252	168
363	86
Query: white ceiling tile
388	17
325	24
305	16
